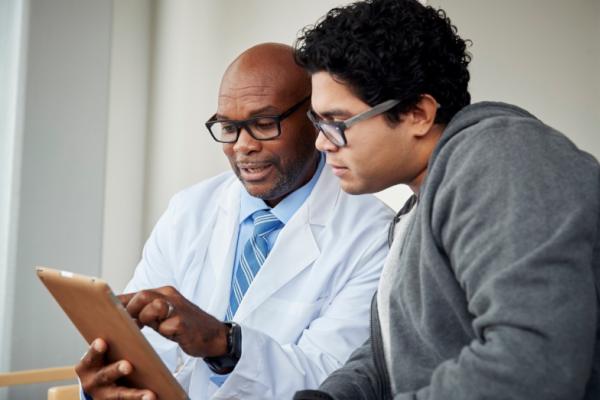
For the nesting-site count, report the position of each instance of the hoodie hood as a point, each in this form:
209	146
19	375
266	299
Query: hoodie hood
478	113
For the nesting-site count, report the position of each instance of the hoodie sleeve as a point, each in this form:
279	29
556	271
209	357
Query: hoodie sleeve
356	380
363	377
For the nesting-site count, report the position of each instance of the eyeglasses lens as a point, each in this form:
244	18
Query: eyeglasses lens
261	128
332	133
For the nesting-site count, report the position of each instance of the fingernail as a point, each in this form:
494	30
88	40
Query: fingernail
96	345
124	368
146	397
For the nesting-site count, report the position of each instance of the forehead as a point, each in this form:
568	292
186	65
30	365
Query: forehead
330	94
240	102
244	93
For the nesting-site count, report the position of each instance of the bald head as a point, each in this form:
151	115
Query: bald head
268	65
264	95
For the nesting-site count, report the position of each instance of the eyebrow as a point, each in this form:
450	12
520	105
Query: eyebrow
336	112
263	111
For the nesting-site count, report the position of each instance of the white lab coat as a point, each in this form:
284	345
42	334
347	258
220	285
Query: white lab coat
307	308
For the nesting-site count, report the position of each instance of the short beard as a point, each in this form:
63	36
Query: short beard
285	183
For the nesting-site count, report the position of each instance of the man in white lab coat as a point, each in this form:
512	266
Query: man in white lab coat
237	314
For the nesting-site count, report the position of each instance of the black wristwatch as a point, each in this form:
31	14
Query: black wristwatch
226	363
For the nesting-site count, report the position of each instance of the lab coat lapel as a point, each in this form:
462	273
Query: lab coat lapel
223	240
296	246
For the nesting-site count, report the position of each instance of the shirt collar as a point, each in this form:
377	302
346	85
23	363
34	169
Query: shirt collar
287	207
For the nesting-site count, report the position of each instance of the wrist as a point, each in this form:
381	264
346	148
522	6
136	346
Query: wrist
221	345
225	363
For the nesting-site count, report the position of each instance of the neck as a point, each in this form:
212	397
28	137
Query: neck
432	139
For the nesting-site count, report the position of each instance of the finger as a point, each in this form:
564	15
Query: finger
108	375
105	377
94	357
139	301
154	313
125	298
168	291
198	334
171	328
124	393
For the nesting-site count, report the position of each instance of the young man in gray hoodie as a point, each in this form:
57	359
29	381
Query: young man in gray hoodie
490	290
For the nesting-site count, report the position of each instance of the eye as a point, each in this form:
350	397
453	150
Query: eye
265	124
330	128
228	128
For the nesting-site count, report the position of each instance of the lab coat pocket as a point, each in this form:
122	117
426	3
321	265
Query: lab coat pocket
292	318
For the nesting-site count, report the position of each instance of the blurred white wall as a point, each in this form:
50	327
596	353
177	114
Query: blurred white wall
117	93
543	55
126	138
58	152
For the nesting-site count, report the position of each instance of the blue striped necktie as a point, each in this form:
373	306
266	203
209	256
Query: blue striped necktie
252	258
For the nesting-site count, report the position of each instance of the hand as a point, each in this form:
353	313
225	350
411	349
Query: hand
99	379
166	311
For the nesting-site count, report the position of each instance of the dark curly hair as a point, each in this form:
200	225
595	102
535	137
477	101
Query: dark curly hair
390	49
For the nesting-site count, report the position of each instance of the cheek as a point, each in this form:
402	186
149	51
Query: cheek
229	152
370	145
286	152
359	159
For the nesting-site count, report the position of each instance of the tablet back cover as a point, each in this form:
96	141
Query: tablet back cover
97	313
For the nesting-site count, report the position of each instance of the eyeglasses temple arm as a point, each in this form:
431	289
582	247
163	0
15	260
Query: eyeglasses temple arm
378	109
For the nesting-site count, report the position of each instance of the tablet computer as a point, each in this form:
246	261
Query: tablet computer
97	313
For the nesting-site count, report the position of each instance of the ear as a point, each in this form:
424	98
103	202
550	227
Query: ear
422	115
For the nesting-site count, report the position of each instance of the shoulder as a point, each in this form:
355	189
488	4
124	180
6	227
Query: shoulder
505	142
507	162
206	188
207	194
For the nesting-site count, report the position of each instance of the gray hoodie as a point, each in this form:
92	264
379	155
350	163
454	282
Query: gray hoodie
495	290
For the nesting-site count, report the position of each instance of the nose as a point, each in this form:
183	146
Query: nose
324	144
246	143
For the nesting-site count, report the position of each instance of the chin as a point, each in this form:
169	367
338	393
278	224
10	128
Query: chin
257	190
268	193
354	188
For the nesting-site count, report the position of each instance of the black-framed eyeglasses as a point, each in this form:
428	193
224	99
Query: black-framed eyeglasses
261	127
334	131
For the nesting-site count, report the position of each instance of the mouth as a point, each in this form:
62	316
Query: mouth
338	170
253	172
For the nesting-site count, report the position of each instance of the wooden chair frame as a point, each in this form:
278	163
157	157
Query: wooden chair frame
66	392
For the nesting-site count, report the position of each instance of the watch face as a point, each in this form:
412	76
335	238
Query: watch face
230	338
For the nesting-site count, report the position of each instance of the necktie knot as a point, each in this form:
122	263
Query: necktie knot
265	222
